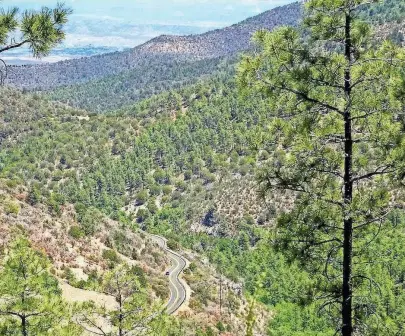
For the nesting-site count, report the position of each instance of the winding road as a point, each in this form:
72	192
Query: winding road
178	292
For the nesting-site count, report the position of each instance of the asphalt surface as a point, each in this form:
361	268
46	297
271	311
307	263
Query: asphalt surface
178	293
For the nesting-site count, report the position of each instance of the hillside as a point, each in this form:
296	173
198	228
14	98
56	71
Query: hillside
177	153
161	51
116	80
181	164
200	142
73	233
116	91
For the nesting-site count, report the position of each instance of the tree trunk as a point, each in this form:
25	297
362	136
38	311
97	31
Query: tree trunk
347	290
120	318
24	326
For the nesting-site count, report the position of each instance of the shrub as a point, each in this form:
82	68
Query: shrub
220	326
188	174
76	232
142	215
155	190
167	189
11	183
34	196
161	176
177	195
181	185
192	267
172	244
11	207
160	291
90	220
142	197
139	272
111	257
152	207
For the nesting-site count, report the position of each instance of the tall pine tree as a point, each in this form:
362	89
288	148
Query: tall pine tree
339	145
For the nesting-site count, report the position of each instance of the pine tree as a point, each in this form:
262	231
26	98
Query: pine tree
338	145
30	298
134	314
40	31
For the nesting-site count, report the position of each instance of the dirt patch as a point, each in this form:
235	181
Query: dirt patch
76	295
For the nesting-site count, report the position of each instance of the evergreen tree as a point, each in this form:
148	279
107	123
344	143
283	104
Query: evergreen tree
134	314
40	31
30	298
339	146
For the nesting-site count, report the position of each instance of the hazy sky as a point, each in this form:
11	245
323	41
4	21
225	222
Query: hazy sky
197	12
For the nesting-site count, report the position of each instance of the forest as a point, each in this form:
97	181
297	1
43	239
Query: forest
283	168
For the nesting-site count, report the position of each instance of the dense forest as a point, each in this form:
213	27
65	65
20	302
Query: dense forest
204	154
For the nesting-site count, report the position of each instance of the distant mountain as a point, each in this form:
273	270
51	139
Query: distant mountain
89	36
161	50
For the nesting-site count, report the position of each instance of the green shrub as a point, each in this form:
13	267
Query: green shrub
188	175
11	207
172	244
76	232
140	273
90	220
11	183
155	190
111	257
161	176
34	196
142	215
192	267
167	189
152	207
220	326
142	197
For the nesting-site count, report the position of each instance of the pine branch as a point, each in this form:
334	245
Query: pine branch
13	46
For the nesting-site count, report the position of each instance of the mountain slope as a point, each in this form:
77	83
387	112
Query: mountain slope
45	149
116	91
162	50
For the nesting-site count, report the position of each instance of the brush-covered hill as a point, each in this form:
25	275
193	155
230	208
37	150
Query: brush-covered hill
170	62
182	165
51	156
164	50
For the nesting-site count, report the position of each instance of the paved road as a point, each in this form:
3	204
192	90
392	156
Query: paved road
178	293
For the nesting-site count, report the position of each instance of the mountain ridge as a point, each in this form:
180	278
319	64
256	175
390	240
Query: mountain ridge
164	49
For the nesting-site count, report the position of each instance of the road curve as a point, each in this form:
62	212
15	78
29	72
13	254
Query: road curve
178	293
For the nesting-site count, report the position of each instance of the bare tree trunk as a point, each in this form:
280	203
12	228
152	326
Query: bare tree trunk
347	290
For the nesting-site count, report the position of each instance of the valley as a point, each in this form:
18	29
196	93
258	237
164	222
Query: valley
170	173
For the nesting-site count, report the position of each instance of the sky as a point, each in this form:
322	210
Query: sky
99	26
